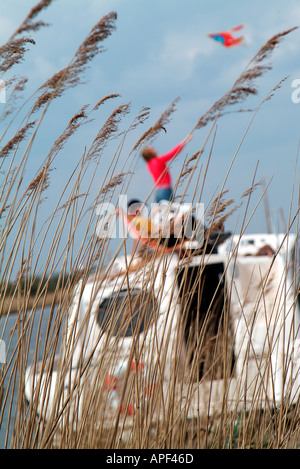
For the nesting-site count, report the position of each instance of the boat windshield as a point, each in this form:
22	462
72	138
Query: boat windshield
126	313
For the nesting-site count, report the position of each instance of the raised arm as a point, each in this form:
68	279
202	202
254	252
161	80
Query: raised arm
176	150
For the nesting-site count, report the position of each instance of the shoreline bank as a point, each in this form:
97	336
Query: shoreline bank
11	305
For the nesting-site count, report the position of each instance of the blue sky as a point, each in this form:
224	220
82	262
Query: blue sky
160	51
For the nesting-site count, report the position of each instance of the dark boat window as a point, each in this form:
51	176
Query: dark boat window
126	315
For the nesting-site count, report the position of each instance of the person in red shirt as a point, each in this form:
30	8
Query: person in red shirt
157	166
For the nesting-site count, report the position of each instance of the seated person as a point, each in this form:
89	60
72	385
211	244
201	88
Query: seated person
142	228
141	224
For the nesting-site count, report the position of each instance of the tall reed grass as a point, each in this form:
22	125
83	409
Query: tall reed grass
156	422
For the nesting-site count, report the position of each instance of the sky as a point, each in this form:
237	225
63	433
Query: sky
160	51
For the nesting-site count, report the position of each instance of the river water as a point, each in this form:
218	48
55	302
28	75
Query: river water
9	333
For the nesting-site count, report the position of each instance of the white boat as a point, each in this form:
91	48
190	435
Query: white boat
172	309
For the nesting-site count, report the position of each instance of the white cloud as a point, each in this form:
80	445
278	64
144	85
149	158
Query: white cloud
43	68
7	27
181	50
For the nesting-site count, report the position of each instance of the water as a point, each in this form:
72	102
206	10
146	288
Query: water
10	336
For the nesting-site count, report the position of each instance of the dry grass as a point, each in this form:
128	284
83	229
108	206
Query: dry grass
157	422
